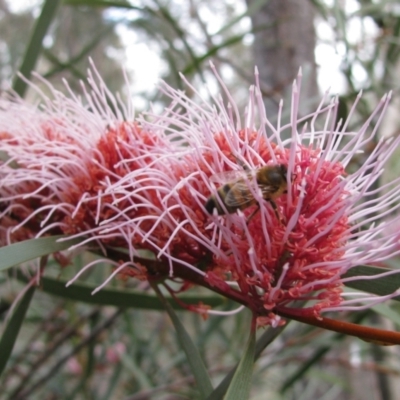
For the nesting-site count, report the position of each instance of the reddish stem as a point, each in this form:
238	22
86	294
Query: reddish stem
159	270
375	335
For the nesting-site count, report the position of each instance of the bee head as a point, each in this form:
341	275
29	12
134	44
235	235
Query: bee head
283	170
277	174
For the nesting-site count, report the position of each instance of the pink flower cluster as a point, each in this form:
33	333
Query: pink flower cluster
96	172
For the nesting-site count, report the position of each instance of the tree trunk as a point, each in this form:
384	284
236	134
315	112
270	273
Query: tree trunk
284	41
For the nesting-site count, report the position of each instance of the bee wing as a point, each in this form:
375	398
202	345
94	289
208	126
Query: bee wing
229	176
267	189
239	195
242	193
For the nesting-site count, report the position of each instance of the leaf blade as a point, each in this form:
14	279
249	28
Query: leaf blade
13	327
239	388
35	46
380	286
116	297
196	363
20	252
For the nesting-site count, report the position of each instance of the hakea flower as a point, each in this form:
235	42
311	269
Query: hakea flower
94	171
330	220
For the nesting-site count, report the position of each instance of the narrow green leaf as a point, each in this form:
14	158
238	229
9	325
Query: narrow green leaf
83	54
322	8
11	331
134	367
265	339
115	297
304	367
34	47
20	252
191	67
60	66
388	312
196	363
380	286
239	389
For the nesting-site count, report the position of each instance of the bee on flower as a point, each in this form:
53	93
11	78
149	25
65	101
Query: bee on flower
238	192
285	226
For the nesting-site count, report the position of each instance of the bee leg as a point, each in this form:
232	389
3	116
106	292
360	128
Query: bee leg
278	217
253	213
250	217
273	205
242	164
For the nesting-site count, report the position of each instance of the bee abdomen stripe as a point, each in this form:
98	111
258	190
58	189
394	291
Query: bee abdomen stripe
226	189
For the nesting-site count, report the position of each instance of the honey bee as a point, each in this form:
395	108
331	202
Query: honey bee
238	194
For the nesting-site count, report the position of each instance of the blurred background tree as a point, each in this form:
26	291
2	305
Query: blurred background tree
68	349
